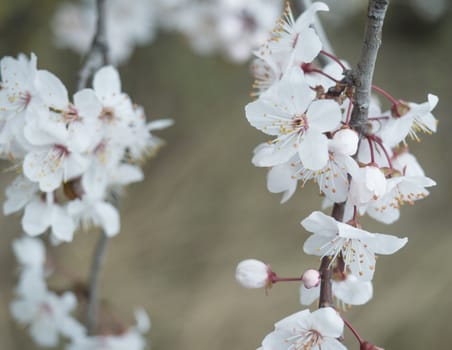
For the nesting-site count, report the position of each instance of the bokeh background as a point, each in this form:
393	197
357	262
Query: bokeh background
203	207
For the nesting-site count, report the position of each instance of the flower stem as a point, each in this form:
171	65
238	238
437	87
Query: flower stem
386	94
95	59
353	330
93	286
286	279
97	56
334	58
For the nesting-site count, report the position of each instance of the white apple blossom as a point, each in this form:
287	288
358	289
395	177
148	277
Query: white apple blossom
357	247
288	112
305	330
295	39
76	154
19	98
47	315
332	178
409	119
400	190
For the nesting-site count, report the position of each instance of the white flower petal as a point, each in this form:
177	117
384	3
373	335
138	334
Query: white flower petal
313	150
327	322
109	218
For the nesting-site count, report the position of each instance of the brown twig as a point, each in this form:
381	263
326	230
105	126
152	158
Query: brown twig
326	270
97	56
363	73
362	78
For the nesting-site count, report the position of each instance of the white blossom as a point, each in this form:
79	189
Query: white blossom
358	247
127	24
48	316
305	330
288	112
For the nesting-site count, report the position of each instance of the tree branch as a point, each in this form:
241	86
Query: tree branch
97	56
362	78
326	270
93	284
362	75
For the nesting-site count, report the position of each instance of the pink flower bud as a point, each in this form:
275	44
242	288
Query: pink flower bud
311	278
252	273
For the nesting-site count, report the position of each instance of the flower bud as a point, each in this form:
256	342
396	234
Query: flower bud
311	278
345	142
252	273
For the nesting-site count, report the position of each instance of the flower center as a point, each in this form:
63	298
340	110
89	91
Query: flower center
107	114
305	340
300	123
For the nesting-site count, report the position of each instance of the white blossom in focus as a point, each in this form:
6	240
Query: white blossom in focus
358	247
289	112
305	330
414	118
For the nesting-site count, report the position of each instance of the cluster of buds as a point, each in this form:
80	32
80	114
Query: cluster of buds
364	169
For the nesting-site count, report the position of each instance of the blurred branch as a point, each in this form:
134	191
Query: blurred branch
93	284
362	75
95	59
97	56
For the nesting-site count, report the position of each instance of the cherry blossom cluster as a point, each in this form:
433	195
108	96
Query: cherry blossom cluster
129	23
366	169
232	27
74	156
49	316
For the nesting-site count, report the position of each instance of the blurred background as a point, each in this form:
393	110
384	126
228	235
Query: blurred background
203	207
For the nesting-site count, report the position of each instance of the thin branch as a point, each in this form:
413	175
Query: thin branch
362	78
97	56
362	75
326	270
93	285
95	59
